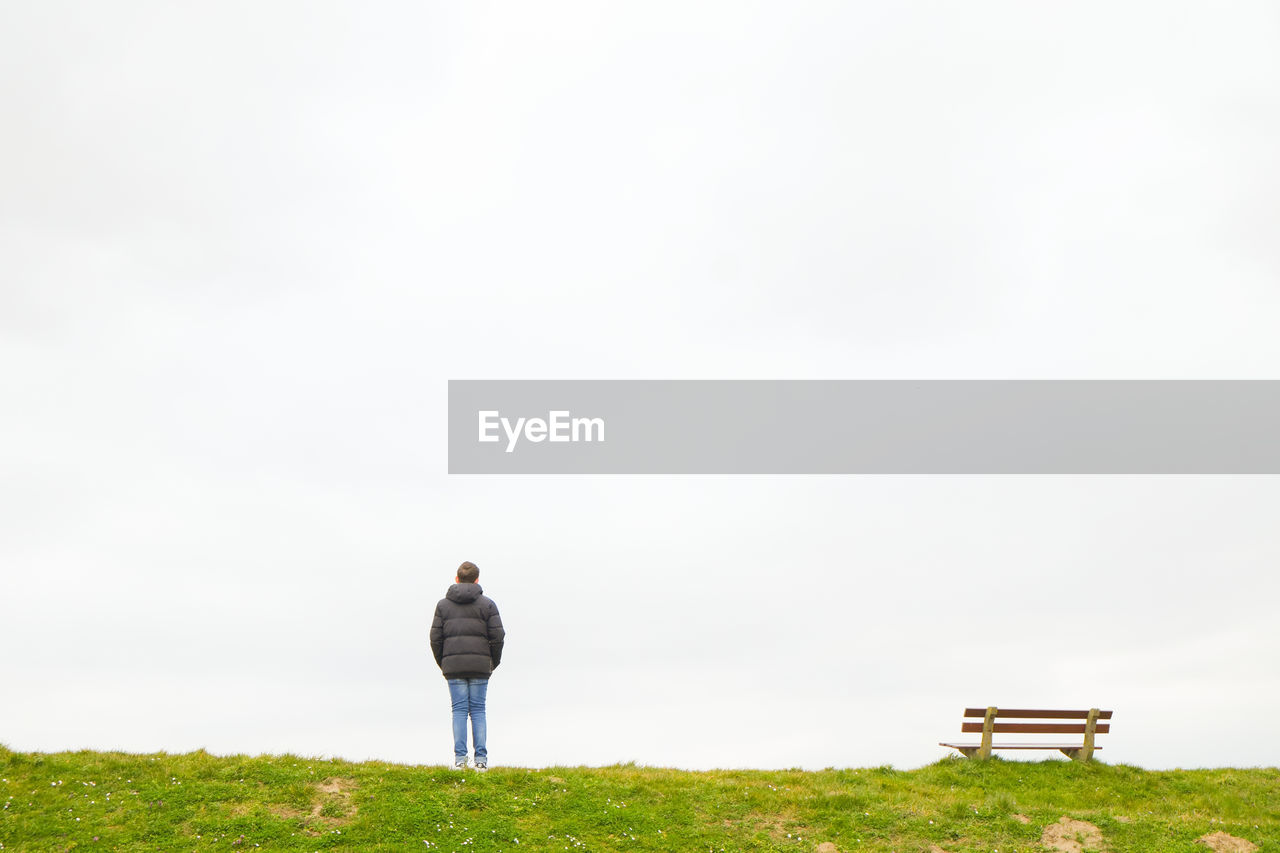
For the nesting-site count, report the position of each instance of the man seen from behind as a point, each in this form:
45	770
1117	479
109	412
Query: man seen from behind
466	639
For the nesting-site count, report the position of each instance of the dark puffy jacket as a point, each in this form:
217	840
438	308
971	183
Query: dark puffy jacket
467	633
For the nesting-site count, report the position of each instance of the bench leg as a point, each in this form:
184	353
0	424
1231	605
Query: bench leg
988	726
969	751
1090	727
1077	754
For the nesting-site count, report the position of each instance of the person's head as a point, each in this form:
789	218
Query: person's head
468	572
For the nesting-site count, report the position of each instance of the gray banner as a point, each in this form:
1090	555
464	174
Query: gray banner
864	427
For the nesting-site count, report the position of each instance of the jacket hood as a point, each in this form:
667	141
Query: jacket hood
464	593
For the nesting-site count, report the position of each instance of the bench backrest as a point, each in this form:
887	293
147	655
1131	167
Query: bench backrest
1063	728
1062	725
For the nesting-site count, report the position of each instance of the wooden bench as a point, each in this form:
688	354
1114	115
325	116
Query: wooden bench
989	725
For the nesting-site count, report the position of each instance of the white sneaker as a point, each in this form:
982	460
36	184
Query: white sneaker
459	764
481	766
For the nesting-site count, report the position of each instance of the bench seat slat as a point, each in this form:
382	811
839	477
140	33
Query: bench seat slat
1018	745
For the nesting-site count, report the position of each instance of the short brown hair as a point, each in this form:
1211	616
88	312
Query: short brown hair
468	572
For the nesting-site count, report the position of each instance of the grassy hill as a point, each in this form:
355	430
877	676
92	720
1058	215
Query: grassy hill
196	801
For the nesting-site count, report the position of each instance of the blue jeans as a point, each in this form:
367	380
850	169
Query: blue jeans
468	700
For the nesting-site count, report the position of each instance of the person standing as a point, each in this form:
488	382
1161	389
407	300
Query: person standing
466	639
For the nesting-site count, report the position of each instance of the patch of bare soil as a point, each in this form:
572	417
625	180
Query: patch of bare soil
286	812
331	806
774	823
334	805
828	847
1223	843
1072	836
933	848
336	785
1021	818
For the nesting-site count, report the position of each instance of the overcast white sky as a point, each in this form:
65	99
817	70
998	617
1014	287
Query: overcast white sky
243	247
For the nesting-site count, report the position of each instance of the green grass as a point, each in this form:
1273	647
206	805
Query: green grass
196	801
